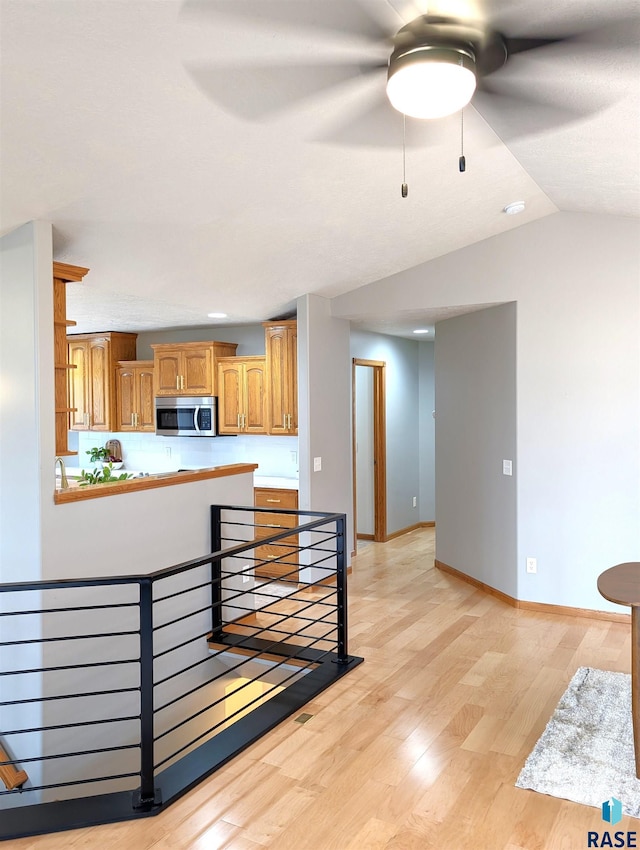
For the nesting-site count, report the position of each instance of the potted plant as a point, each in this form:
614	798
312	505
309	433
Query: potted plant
101	455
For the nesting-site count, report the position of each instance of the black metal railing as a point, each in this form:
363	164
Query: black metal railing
119	694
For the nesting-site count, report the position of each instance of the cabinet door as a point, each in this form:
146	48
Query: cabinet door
197	367
274	498
255	421
230	398
167	371
125	399
292	378
100	384
78	386
276	340
146	406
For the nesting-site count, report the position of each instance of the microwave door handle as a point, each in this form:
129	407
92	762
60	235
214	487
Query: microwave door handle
196	414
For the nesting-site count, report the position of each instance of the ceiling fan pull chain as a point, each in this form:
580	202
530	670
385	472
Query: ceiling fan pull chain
405	188
462	162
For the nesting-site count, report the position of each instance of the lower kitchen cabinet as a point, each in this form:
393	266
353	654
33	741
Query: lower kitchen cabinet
267	497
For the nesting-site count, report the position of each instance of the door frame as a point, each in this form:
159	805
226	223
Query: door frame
379	449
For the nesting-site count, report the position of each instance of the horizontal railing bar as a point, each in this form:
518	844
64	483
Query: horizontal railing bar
71	725
220	723
68	637
69	667
183	617
184	643
189	589
71	696
67	610
75	782
228	718
222	675
21	760
181	671
59	584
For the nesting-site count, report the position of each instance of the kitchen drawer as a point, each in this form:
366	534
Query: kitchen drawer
268	497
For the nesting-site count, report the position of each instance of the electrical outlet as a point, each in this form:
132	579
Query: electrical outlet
415	501
532	565
167	451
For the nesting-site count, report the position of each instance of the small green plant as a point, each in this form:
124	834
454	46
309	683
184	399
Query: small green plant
99	453
102	476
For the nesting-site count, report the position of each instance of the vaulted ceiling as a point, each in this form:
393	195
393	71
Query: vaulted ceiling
190	153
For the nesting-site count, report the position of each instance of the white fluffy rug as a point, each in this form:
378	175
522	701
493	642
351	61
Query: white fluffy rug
586	752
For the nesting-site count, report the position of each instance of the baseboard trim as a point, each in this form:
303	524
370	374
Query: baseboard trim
408	529
538	607
365	536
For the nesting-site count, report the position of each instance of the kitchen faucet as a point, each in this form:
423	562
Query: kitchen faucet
64	483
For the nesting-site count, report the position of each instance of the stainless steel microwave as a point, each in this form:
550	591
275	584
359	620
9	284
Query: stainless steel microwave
195	416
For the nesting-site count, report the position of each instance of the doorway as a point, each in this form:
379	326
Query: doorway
369	451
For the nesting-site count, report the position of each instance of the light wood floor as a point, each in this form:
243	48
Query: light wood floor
419	747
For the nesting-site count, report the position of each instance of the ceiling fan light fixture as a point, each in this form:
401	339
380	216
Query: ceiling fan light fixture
431	81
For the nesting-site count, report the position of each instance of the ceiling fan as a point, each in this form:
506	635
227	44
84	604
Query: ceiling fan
435	64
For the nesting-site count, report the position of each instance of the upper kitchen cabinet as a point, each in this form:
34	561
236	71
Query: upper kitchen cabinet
188	368
92	391
242	396
134	396
281	342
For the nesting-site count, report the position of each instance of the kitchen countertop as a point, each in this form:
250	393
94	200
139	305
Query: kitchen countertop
275	482
149	482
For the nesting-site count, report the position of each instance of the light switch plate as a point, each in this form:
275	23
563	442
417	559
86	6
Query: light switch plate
317	464
507	467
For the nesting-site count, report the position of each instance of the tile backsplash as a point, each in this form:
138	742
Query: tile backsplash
276	456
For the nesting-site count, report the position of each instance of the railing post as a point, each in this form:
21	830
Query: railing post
147	795
216	573
341	585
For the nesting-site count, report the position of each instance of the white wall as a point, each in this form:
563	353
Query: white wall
324	411
250	338
575	278
427	403
475	431
26	456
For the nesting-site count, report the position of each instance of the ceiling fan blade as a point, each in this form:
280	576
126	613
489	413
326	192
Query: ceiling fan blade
340	16
522	113
612	34
257	92
379	125
520	45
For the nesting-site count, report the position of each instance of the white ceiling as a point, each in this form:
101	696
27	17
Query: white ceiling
137	129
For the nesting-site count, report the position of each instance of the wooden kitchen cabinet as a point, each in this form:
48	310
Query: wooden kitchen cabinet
242	395
188	368
285	549
134	396
63	273
91	385
281	343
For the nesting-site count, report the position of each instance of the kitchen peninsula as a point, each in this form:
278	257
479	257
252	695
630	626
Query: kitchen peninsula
149	482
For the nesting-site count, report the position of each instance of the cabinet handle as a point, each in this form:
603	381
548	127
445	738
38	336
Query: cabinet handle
181	382
133	420
177	382
238	422
244	421
289	421
275	501
284	421
136	417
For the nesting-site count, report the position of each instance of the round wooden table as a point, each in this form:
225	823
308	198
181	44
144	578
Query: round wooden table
621	584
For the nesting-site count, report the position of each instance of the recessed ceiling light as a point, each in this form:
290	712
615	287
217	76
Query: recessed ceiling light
514	208
217	315
421	331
